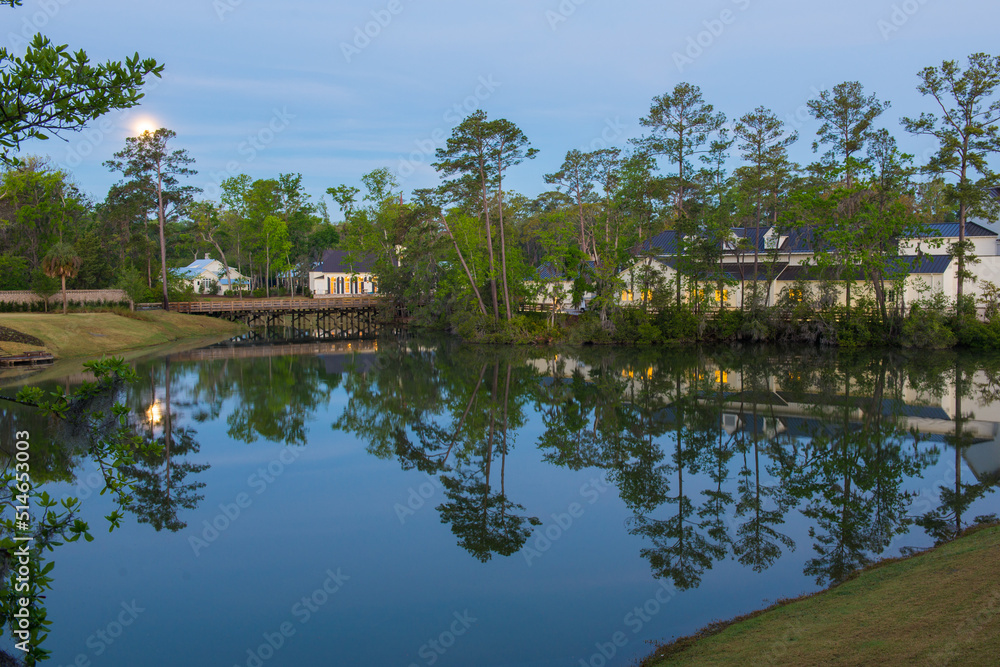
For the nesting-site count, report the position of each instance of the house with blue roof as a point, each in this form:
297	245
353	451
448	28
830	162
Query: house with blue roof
208	276
786	258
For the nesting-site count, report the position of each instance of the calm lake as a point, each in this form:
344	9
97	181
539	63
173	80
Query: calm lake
419	502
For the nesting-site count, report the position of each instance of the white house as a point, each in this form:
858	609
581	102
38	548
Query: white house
785	259
339	273
205	274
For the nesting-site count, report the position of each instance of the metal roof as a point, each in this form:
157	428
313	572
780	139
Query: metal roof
195	268
337	261
807	272
950	230
927	263
664	243
750	234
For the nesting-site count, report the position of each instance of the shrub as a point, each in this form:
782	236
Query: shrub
678	323
926	325
980	335
590	330
858	330
725	325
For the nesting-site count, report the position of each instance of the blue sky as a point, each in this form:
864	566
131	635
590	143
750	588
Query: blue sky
332	90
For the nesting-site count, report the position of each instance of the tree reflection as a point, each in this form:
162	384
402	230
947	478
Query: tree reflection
451	415
709	452
948	518
161	487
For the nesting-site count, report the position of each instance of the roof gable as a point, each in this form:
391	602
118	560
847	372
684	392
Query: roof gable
343	261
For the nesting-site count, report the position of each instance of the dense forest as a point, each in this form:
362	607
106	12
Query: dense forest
471	249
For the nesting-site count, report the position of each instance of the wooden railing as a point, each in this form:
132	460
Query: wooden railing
276	305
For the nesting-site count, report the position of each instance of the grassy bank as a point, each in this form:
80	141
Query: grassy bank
939	607
96	334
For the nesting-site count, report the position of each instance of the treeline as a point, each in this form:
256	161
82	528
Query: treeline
470	250
468	254
267	229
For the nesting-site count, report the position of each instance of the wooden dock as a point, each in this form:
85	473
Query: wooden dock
341	316
27	359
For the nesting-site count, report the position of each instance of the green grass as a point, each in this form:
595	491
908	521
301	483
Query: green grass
96	334
939	607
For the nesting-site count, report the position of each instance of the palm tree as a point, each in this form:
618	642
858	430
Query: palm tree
61	261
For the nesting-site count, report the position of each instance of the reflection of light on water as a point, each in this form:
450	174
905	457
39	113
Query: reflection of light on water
154	415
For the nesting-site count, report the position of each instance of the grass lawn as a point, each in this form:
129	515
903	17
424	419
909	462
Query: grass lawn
96	334
940	607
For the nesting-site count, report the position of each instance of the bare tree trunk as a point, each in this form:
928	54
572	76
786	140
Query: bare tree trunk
461	258
163	239
503	241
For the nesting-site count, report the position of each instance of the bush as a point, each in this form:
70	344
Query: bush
590	330
519	330
979	335
678	323
631	326
755	325
725	325
926	326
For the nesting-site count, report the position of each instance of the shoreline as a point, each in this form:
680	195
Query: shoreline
898	610
79	336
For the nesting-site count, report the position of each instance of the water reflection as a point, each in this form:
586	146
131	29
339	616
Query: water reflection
710	451
716	456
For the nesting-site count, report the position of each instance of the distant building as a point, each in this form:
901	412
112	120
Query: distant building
205	274
340	272
788	257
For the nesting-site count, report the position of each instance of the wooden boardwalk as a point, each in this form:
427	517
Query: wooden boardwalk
346	316
278	306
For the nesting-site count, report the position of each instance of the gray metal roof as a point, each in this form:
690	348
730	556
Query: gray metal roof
337	261
950	230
